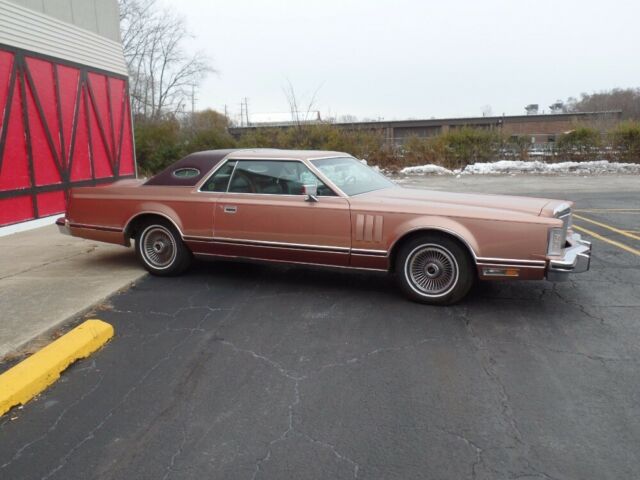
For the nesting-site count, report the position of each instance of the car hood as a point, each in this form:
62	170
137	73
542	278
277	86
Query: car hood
405	199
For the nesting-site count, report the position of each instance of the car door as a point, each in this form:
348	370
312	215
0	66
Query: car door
265	214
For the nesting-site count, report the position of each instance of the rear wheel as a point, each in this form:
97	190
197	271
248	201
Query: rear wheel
434	269
160	248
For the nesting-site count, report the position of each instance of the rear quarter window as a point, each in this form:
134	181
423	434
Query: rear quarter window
187	172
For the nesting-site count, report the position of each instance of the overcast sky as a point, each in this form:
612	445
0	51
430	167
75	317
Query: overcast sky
410	58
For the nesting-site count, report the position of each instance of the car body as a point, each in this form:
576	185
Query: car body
327	208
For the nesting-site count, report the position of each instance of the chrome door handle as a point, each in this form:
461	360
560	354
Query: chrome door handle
230	209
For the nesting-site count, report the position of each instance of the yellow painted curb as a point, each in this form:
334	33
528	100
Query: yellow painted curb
21	383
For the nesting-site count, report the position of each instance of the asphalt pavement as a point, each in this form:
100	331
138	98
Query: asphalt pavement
243	371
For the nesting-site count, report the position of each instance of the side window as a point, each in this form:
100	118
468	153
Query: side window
219	181
274	177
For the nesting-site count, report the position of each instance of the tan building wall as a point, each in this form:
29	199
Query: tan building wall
97	16
541	128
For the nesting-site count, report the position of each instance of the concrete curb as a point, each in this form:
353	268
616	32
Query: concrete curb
43	335
21	383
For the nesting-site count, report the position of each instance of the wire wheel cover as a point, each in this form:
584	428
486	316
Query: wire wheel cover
158	247
432	270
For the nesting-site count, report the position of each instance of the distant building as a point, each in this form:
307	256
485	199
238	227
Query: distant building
532	109
281	118
557	107
64	105
538	129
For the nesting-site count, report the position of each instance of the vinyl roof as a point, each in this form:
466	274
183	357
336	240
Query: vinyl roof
285	154
204	161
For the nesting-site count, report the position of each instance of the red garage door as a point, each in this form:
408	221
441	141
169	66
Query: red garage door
61	125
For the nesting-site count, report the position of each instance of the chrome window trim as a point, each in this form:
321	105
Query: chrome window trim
183	169
234	156
259	159
213	170
272	194
211	173
299	160
233	172
306	161
336	191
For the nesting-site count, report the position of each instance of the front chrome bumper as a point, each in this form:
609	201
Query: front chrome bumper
63	225
575	259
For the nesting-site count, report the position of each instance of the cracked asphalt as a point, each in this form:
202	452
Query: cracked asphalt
240	371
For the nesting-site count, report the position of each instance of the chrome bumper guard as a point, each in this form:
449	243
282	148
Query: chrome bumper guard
63	226
575	259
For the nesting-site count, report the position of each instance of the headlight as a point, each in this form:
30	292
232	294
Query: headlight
556	241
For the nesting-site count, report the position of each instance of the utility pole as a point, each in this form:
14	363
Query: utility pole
193	99
241	114
246	110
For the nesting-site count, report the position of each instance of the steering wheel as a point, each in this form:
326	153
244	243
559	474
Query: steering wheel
247	178
350	180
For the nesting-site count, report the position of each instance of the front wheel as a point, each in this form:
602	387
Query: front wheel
161	250
434	269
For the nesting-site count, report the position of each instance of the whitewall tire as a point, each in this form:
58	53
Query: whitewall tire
434	268
160	248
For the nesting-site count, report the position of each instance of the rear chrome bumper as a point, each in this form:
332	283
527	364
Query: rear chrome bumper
576	259
63	225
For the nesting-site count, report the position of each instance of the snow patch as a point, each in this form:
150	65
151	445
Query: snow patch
512	167
537	167
426	170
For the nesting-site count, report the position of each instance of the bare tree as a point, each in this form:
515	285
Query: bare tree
625	99
162	75
487	111
348	118
301	112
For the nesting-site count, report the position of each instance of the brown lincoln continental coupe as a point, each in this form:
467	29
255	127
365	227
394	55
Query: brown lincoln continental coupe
328	208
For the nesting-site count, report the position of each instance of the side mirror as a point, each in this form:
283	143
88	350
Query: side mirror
311	191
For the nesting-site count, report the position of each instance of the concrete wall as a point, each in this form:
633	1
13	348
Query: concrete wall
97	16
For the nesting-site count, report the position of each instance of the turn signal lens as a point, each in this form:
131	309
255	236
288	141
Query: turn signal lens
500	272
556	241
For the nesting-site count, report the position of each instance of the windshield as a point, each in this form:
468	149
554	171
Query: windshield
351	176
